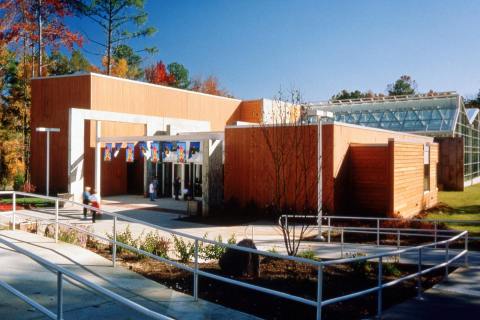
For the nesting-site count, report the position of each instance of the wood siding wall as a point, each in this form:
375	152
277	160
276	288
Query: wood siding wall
451	173
53	97
337	139
249	171
369	179
408	193
51	100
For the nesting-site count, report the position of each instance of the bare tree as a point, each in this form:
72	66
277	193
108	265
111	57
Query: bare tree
292	147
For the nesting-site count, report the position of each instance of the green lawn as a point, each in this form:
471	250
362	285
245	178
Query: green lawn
459	206
37	202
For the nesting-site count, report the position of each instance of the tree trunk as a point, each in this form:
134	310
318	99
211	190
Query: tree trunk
109	40
40	36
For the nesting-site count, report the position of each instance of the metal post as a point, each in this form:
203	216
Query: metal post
14	210
379	288
466	249
59	295
398	239
114	245
195	273
48	165
341	246
378	232
56	220
98	160
329	230
435	233
446	260
419	278
319	291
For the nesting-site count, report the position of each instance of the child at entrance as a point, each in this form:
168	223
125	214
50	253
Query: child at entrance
94	203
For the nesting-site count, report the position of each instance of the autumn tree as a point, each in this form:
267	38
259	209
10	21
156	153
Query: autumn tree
59	63
210	85
38	25
132	59
158	74
115	17
405	85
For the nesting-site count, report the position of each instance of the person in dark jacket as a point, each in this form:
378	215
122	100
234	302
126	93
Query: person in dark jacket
176	187
86	200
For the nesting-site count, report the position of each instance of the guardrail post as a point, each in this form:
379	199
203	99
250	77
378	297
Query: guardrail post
14	209
329	229
398	239
419	278
466	249
341	245
379	288
195	273
435	233
319	291
56	220
378	232
446	260
59	295
114	245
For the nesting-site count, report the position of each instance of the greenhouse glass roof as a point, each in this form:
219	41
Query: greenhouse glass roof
411	114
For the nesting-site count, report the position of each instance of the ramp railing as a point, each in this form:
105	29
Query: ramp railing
61	273
318	303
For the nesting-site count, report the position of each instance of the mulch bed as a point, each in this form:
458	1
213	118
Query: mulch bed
285	276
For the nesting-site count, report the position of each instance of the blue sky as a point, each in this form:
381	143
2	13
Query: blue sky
256	47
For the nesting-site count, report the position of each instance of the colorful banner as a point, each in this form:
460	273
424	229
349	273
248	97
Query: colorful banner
118	147
107	152
181	150
143	149
155	151
130	152
166	150
194	148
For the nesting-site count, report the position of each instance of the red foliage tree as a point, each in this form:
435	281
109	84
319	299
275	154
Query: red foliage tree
37	23
158	74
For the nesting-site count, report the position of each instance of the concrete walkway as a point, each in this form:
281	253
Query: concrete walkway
458	298
81	303
265	235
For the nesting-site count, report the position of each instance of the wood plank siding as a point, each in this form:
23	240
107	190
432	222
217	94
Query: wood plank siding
361	172
52	97
250	173
409	196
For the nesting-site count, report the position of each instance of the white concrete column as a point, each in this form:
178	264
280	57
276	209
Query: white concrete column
98	159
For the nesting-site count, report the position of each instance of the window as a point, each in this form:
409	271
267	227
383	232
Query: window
426	167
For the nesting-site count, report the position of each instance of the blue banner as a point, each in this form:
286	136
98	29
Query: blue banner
130	152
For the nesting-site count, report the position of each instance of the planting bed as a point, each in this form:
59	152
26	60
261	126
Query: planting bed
286	276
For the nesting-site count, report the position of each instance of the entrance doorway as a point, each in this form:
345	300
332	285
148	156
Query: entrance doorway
167	179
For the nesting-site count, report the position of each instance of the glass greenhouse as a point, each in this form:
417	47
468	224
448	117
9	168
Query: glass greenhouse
438	115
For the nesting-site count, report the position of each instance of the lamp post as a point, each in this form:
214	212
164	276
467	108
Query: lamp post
47	130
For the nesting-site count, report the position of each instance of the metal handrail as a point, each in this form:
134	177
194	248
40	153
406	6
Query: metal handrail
61	272
318	264
329	219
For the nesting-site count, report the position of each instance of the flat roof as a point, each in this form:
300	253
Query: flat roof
83	74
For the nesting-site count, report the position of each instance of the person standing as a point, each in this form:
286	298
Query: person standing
86	200
176	187
94	203
151	191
